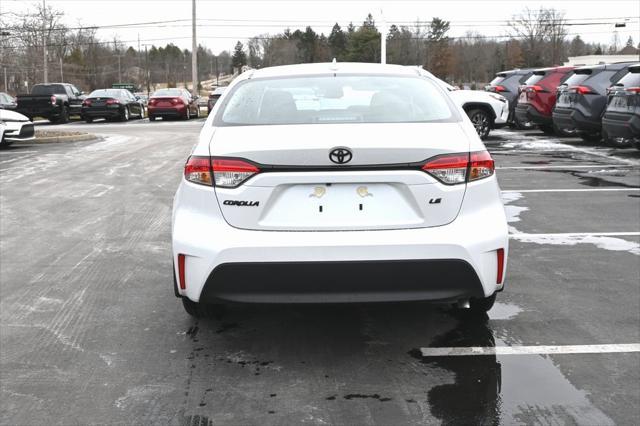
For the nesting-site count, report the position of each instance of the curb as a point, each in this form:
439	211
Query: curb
70	138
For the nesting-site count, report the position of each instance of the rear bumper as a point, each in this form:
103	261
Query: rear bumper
528	113
167	112
443	263
340	282
622	125
101	113
571	119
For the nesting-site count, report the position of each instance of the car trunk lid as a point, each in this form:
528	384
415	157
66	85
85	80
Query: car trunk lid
300	188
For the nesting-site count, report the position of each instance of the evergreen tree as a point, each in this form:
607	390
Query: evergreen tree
239	58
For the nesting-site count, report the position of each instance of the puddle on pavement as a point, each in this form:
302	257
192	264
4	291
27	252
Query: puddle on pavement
504	311
503	389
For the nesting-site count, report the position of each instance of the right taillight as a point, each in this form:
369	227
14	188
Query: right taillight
481	165
452	169
633	89
229	173
500	259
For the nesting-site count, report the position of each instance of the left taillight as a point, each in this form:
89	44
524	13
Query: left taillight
452	169
86	102
198	170
230	173
53	99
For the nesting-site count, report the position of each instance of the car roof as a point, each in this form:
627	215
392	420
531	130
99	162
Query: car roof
556	69
330	68
614	66
516	71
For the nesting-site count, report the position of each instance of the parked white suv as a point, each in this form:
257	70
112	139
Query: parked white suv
338	183
486	110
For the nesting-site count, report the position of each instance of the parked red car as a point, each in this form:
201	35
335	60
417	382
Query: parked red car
173	103
538	97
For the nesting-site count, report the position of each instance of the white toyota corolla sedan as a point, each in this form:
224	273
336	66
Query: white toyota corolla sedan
338	182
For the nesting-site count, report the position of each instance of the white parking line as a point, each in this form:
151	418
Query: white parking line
577	234
569	166
570	190
532	350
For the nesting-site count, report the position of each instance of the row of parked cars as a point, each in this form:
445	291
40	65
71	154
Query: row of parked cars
597	103
58	102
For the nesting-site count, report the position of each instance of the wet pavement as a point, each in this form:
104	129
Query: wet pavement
90	332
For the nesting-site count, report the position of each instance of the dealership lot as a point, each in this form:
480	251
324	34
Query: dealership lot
91	332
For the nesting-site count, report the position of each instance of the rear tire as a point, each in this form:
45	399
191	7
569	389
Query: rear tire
481	121
152	118
125	114
616	142
88	120
482	306
591	137
192	308
64	115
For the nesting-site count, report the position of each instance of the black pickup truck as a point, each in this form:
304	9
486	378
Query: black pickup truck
53	101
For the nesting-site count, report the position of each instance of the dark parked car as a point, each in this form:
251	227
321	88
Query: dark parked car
173	103
112	104
582	98
54	101
538	97
621	120
7	101
213	98
507	84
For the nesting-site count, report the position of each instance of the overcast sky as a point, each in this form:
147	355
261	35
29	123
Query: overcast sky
229	21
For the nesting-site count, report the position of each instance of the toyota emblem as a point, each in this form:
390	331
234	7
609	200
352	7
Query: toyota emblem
340	155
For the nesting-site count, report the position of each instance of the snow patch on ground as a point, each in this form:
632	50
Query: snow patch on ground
512	212
603	242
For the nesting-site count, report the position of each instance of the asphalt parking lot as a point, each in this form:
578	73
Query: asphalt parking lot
91	332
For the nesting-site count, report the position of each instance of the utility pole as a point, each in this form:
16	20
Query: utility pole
194	52
217	73
44	42
146	69
383	40
61	72
119	72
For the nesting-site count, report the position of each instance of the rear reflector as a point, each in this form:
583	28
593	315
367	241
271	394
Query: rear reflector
181	272
229	173
198	170
500	254
453	169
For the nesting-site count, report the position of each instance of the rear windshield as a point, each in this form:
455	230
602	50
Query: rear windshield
534	79
576	79
336	99
51	89
168	92
105	93
499	79
630	80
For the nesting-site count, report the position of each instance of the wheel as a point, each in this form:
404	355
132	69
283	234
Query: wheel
192	308
548	130
88	120
188	114
521	126
591	137
615	142
152	118
481	306
197	112
125	114
481	121
141	115
64	115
